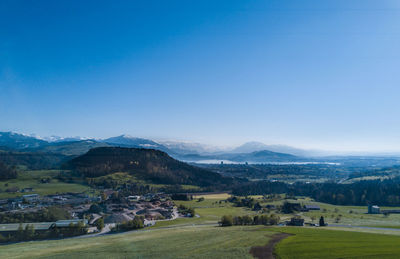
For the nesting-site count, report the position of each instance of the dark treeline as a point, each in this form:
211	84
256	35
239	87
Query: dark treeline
385	192
261	171
32	160
7	172
49	214
228	220
29	233
387	171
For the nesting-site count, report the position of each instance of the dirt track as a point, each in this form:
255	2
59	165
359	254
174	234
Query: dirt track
266	252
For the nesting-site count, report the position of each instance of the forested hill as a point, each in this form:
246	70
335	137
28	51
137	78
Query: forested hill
148	164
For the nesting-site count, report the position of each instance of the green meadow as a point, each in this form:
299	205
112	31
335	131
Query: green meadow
31	179
323	243
178	242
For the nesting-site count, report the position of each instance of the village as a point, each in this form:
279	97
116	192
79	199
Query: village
109	208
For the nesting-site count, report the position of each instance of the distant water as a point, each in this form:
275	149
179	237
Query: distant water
216	161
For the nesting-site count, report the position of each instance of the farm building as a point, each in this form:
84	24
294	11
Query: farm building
373	209
296	222
311	207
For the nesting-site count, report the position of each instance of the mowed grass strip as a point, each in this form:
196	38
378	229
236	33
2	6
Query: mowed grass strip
322	243
184	242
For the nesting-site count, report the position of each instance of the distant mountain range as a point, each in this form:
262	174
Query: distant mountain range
252	152
258	146
128	141
13	140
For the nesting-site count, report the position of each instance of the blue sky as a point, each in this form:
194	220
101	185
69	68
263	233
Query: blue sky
312	74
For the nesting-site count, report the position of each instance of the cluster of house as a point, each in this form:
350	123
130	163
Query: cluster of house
152	206
374	209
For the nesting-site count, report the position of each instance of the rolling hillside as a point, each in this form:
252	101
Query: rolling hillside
153	165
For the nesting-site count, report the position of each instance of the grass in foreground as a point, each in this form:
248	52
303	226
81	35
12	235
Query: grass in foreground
183	242
322	243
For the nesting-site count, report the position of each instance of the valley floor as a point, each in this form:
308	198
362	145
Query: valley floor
200	237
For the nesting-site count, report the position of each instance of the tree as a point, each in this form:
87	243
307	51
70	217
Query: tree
237	220
100	224
257	206
247	220
264	220
287	208
29	232
321	221
226	220
103	196
256	220
137	222
20	232
273	219
95	208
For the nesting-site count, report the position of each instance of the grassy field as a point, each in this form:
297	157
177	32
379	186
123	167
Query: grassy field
321	243
213	242
350	215
337	214
31	179
180	242
210	210
213	207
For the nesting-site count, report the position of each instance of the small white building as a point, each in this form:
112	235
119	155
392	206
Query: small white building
133	198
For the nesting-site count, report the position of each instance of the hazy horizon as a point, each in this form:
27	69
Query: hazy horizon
310	74
212	147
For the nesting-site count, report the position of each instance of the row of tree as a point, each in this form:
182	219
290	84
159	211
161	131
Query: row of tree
28	233
49	214
229	220
136	223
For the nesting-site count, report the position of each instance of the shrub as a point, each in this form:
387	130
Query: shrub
226	221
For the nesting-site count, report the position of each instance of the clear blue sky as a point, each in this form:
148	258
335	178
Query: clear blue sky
316	74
